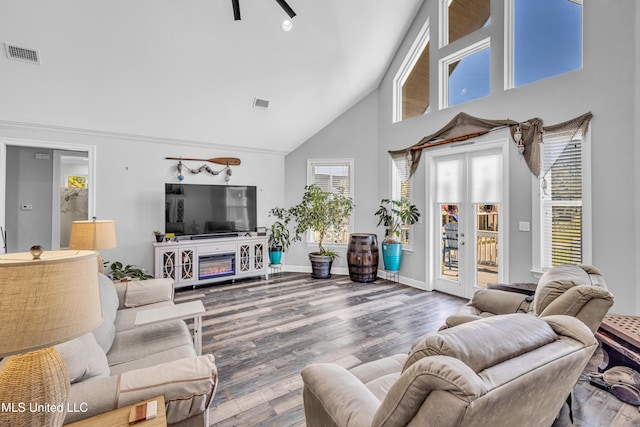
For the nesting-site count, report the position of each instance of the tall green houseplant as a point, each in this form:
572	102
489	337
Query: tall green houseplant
320	211
393	214
279	235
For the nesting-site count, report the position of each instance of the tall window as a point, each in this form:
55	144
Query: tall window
411	83
466	75
334	176
401	189
462	17
544	38
561	201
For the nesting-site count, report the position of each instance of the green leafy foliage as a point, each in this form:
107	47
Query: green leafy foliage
279	234
330	253
320	211
119	271
393	214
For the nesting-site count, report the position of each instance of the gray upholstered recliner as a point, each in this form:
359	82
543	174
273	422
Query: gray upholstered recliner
575	290
511	370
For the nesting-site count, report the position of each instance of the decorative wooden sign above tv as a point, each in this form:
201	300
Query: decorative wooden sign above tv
227	161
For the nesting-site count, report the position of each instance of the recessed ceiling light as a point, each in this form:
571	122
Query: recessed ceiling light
287	25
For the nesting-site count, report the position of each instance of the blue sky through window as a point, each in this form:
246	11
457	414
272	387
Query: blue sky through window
471	79
548	39
548	42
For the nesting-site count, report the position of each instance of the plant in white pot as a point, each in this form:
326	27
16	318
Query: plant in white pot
393	215
320	212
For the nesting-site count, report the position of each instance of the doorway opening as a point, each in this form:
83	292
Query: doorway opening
45	187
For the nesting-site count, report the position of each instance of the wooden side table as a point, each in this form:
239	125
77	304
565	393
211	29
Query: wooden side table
120	417
619	337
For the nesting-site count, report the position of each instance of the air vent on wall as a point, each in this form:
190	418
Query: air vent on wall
260	103
22	54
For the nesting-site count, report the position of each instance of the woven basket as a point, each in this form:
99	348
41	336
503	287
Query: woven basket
36	385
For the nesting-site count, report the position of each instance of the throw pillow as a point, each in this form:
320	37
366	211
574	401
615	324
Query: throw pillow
143	292
105	332
83	358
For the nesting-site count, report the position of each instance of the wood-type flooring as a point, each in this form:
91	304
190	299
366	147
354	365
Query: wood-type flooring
263	332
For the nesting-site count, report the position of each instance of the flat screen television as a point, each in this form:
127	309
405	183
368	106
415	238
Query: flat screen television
200	209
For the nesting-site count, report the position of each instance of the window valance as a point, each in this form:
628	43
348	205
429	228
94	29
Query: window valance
464	126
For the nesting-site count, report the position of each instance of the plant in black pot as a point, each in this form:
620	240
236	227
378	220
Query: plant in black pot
321	212
159	236
393	215
279	235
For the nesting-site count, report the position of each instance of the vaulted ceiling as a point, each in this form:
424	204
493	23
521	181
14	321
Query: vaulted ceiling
186	70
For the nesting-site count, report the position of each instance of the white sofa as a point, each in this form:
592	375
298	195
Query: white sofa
118	364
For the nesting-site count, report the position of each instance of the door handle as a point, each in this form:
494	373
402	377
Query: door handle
461	243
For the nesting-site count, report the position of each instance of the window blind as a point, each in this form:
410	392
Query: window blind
485	179
401	184
401	188
332	177
448	181
561	201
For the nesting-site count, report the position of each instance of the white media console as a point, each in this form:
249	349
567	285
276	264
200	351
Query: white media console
210	260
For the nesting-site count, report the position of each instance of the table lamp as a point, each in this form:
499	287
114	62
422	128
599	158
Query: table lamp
93	235
46	298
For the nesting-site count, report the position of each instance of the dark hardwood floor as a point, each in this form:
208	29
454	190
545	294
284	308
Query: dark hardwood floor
263	332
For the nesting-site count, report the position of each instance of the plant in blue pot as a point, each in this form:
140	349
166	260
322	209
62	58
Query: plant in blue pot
279	235
394	215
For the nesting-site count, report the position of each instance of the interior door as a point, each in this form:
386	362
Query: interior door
466	220
70	194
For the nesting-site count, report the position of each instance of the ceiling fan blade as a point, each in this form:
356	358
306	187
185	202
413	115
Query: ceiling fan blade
283	4
236	9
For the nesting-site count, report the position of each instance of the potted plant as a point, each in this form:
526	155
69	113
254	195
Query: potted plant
279	235
119	271
159	236
393	214
320	212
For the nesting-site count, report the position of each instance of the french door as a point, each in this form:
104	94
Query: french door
466	220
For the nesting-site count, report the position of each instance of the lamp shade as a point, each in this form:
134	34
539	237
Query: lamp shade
47	301
92	235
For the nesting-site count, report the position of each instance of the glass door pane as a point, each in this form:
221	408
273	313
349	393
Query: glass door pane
467	198
449	257
486	244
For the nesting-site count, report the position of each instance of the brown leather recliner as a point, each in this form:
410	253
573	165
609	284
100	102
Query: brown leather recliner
575	290
507	370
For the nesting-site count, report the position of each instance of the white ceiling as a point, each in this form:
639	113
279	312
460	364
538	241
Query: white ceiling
185	70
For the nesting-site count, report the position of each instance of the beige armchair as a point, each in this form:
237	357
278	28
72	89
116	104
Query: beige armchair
507	370
575	290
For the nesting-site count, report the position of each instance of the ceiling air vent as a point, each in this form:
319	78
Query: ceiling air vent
260	103
22	53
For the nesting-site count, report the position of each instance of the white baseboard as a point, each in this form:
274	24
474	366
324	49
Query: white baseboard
307	269
405	280
344	270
